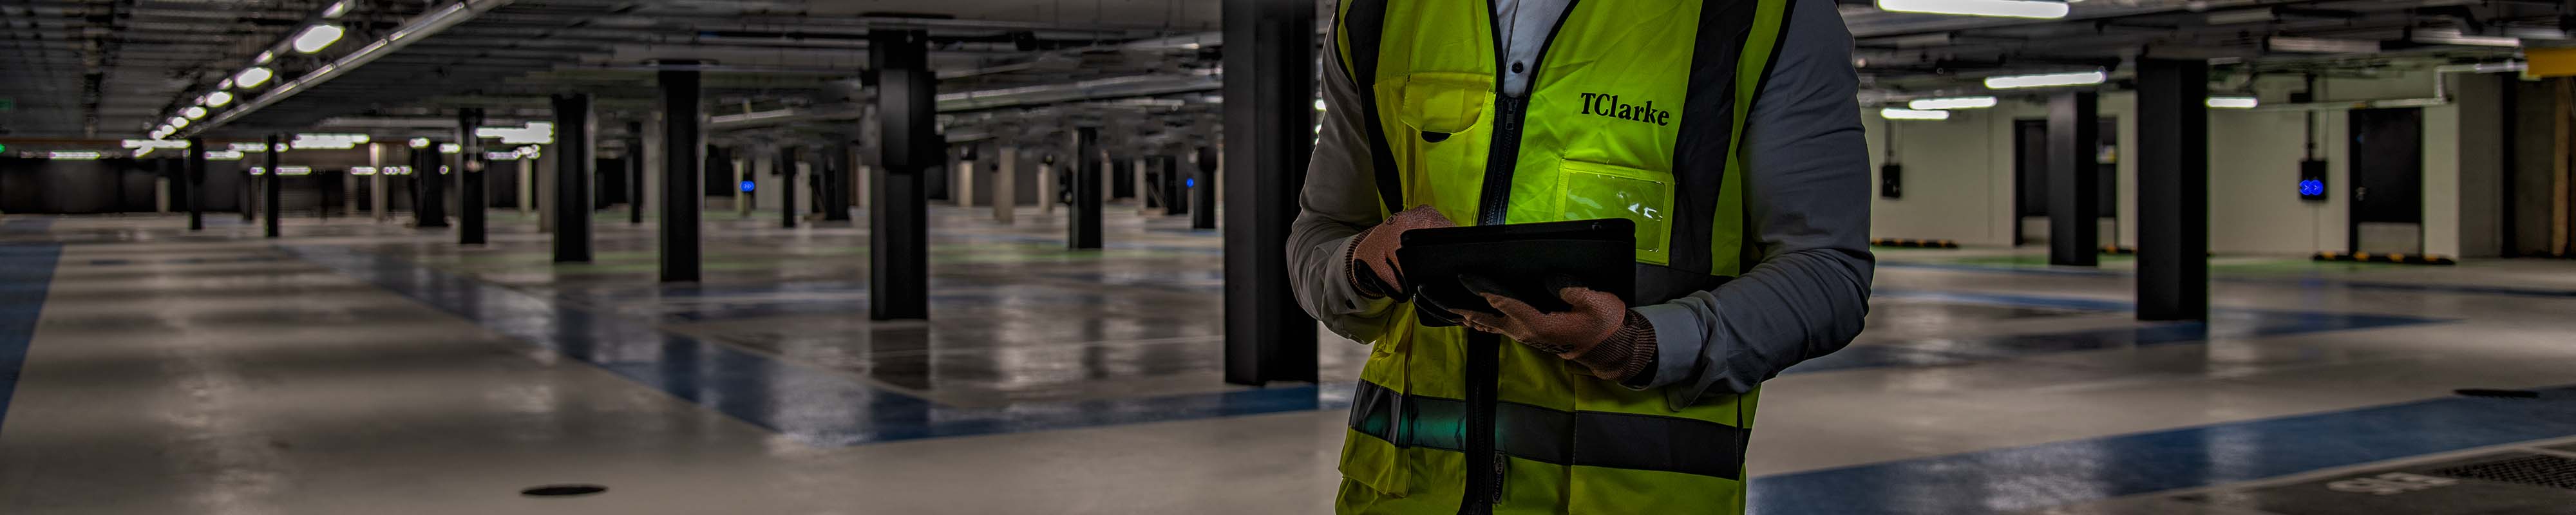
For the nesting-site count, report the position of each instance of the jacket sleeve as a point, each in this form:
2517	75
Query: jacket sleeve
1339	200
1807	187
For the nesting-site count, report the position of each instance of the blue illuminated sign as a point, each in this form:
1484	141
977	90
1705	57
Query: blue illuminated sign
1192	182
2312	188
746	186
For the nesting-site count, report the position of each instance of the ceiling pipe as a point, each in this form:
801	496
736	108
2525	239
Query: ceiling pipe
411	31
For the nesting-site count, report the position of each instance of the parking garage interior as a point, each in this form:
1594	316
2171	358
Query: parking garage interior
2224	257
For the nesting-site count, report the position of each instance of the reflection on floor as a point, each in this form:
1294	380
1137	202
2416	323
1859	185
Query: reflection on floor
358	366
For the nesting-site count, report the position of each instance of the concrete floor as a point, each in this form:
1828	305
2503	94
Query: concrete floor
362	367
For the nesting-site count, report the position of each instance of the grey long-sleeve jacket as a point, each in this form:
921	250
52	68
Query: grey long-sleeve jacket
1807	188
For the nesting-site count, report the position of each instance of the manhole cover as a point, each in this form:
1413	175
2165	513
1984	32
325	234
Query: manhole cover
563	490
2549	471
2504	394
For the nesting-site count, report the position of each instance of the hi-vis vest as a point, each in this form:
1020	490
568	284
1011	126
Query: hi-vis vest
1634	110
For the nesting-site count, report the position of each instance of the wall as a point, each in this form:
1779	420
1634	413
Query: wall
1958	172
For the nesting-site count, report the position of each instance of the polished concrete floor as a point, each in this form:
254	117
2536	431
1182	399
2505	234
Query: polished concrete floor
363	367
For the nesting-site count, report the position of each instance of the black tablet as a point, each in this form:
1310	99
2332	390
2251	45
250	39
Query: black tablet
1523	261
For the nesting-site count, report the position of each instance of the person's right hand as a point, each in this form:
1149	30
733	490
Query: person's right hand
1376	249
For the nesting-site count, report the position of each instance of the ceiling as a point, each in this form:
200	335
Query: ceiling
109	69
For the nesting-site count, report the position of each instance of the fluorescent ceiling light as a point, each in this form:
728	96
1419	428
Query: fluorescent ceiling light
74	156
316	37
218	99
1952	103
253	77
419	142
193	112
264	57
294	170
2046	80
2000	8
2455	37
337	8
1893	113
450	148
223	155
178	123
2320	45
249	147
2233	102
329	141
226	84
362	170
152	143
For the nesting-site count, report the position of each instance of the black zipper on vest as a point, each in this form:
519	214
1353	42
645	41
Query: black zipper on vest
1484	462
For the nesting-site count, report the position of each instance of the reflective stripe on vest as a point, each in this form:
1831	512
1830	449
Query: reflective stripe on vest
1588	438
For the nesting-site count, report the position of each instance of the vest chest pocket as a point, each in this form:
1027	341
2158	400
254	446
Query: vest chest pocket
1441	104
1595	190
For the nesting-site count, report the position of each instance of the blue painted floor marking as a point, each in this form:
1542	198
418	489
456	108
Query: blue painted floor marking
829	407
2059	473
26	271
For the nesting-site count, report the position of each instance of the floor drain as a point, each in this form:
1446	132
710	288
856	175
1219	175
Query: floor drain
563	490
2507	394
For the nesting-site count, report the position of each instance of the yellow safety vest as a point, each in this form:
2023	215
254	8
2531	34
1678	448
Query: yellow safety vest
1635	110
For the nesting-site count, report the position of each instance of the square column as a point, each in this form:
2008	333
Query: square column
271	187
576	131
192	185
1269	119
429	187
787	187
1006	185
1083	231
469	178
908	147
2074	126
1203	189
2173	189
681	165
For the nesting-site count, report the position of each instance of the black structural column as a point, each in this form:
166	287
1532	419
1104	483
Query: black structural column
2074	181
635	172
2173	189
192	184
834	182
574	167
1083	230
898	212
429	195
1203	191
272	187
1269	119
786	168
680	168
469	177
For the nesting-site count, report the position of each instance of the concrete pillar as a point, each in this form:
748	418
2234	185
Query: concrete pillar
470	168
2074	126
638	154
576	145
1083	231
964	191
376	183
2173	189
271	187
1006	182
908	146
192	189
1203	190
1269	119
429	188
1047	187
681	165
787	177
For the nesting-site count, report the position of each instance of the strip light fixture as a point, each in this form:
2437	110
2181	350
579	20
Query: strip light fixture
2233	102
2041	9
1928	104
1898	113
316	37
73	155
2046	80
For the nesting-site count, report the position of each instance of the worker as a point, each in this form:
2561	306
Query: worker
1727	130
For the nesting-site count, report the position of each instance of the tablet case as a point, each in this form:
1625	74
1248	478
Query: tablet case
1521	261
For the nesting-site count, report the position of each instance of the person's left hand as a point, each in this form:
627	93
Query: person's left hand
1596	316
